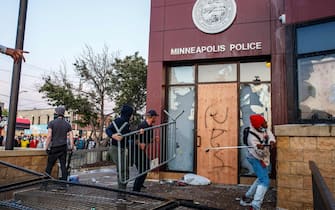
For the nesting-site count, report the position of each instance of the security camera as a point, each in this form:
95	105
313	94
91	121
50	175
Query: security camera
282	18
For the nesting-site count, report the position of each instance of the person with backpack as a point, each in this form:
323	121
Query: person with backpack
118	127
259	139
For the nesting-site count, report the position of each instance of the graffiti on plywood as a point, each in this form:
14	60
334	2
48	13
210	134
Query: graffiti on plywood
215	119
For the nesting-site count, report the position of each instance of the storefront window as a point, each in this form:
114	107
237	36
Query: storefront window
316	87
253	72
314	38
217	73
182	98
316	72
181	75
254	99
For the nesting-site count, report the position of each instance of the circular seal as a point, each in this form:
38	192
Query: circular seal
213	16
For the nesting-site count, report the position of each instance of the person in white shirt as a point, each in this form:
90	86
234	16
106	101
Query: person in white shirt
259	158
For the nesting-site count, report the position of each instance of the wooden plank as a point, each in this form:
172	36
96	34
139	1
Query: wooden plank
217	127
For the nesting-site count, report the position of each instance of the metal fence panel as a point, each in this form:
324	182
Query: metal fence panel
159	147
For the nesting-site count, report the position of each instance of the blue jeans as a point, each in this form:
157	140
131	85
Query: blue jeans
260	171
260	185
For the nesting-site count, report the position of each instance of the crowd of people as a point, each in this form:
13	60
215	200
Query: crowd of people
29	141
38	141
83	143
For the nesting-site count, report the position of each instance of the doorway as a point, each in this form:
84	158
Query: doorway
217	127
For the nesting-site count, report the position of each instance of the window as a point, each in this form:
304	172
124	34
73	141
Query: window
255	98
181	75
256	71
217	73
316	72
314	38
316	80
181	96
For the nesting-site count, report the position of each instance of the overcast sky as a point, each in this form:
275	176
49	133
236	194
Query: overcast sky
57	32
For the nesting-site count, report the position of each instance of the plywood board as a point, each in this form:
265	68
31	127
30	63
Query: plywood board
217	127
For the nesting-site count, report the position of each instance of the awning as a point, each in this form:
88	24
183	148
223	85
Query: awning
22	123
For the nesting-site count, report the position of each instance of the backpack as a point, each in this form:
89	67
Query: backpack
246	132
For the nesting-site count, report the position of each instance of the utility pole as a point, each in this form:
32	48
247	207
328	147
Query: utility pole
16	74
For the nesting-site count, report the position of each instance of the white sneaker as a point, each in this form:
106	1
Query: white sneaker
245	201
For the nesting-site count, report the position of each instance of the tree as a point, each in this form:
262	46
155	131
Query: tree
96	72
102	76
59	91
129	82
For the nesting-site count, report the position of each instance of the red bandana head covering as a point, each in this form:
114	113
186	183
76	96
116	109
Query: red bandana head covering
257	120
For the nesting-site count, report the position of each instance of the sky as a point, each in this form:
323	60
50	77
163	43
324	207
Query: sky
57	33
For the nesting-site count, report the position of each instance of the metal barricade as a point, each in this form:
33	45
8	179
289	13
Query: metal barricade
147	149
322	196
84	157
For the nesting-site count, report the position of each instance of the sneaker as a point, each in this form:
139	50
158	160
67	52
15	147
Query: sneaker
245	201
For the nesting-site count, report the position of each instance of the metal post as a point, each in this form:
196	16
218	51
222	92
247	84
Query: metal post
16	76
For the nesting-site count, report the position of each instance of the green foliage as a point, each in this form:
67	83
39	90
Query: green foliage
129	82
62	94
5	113
102	76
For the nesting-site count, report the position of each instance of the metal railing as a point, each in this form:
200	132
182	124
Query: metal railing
84	157
147	149
29	188
323	198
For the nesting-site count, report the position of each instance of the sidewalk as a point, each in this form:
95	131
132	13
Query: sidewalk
213	195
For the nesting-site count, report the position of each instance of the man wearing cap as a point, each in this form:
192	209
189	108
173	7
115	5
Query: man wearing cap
142	162
259	158
56	143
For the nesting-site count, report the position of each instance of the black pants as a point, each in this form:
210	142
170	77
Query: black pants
60	154
142	163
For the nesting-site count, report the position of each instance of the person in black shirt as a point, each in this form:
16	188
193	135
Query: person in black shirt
142	161
56	143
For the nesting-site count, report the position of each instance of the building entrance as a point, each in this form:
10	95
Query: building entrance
217	126
218	99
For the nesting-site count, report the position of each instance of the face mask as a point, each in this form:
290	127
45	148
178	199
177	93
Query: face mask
261	129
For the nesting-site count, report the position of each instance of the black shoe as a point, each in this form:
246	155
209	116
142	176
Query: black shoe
121	196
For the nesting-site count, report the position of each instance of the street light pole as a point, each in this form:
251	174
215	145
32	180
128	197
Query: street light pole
21	25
